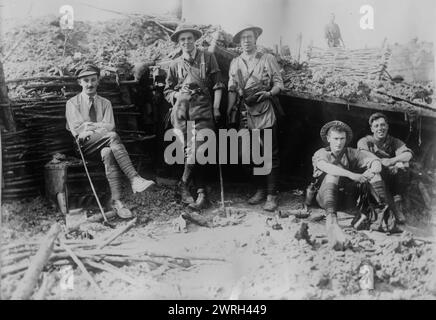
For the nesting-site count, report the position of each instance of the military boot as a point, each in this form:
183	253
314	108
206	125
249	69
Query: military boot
258	197
377	225
398	212
201	202
271	203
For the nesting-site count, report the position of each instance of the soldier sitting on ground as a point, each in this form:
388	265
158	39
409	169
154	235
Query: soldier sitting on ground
338	166
395	157
90	120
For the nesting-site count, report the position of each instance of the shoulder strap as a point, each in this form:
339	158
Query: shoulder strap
243	82
202	66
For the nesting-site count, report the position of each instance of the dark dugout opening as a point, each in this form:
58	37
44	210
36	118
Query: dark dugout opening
299	139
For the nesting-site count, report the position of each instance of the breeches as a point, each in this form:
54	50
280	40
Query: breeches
109	148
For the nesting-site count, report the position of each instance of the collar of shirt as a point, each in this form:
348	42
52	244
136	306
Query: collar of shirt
341	155
384	142
86	97
249	57
188	56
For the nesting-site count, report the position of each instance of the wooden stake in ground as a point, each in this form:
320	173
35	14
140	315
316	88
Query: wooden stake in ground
28	283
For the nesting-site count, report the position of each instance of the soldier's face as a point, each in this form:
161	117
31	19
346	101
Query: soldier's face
337	140
89	84
380	128
332	18
187	41
248	40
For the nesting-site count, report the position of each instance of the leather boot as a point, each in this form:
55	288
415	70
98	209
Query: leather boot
185	193
121	210
201	203
377	225
398	212
258	197
271	203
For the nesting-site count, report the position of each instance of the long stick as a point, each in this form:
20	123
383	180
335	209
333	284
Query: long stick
221	186
31	276
81	267
117	233
90	181
111	269
42	292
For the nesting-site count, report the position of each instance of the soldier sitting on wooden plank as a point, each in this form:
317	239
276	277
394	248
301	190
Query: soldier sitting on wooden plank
395	157
90	119
338	166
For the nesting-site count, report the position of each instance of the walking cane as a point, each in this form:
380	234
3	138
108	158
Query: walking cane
223	207
222	189
105	222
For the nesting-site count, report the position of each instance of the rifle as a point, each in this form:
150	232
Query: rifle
235	115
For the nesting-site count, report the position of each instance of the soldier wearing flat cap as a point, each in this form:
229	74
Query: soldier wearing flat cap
395	157
337	166
194	89
90	120
255	78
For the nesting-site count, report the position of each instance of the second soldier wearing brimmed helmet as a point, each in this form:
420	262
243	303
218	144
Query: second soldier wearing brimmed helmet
336	166
255	78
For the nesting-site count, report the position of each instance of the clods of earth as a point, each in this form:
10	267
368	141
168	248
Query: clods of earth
249	258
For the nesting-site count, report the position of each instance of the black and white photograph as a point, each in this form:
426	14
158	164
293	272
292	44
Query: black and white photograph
218	150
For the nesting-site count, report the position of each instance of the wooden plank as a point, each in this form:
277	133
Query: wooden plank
38	262
360	104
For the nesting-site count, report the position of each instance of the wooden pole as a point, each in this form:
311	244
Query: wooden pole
4	99
300	41
81	267
118	233
28	283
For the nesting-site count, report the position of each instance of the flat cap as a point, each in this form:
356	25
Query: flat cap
87	70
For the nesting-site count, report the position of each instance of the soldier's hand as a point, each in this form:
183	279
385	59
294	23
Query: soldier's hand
387	162
262	95
83	136
230	114
217	114
90	126
358	177
368	174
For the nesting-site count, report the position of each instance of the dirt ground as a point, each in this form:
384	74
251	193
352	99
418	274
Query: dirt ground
260	262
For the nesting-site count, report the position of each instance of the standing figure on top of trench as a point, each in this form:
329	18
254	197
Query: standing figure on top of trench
255	78
332	33
90	119
191	81
395	157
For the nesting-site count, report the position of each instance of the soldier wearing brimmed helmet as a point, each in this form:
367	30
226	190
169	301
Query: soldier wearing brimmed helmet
194	89
255	78
338	166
